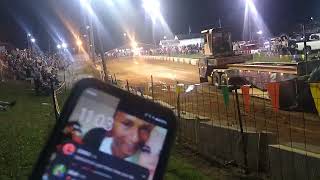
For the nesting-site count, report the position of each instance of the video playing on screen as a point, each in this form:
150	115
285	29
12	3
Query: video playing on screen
102	141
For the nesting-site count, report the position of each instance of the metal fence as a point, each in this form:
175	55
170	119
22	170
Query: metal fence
242	126
59	94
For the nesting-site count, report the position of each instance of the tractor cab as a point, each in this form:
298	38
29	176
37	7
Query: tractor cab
217	42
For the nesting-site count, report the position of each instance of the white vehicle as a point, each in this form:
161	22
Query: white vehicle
312	44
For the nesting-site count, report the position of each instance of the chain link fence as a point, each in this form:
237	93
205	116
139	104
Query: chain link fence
242	125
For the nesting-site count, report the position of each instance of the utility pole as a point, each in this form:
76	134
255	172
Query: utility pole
49	45
243	137
28	41
89	31
249	27
101	51
305	47
92	43
154	37
84	30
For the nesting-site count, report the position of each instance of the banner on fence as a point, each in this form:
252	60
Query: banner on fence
273	91
179	88
315	90
225	92
246	97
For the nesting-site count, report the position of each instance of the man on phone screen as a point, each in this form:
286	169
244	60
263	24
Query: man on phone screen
128	135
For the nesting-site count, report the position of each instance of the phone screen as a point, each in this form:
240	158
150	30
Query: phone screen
102	139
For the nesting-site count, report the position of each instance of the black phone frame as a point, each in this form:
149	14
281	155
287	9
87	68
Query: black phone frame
138	105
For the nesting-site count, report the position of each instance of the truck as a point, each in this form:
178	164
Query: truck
312	44
218	51
221	66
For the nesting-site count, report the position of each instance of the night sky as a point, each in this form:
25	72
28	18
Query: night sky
43	18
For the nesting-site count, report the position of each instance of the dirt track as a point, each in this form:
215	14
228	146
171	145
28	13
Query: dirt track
290	128
139	71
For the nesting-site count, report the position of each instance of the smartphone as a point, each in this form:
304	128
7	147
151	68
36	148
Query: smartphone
107	133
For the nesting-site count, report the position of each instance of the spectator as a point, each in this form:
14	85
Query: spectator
43	69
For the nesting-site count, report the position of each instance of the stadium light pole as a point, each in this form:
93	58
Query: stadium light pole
92	42
125	38
33	41
254	19
87	5
251	13
79	44
152	8
249	18
101	51
28	40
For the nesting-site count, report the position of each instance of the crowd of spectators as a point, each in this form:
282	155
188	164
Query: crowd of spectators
281	45
119	53
177	50
42	69
167	51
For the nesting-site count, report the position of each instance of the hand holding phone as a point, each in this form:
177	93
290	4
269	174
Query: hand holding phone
107	133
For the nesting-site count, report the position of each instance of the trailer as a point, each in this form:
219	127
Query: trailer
221	67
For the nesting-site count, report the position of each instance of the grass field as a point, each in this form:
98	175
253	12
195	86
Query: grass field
187	55
25	127
265	58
